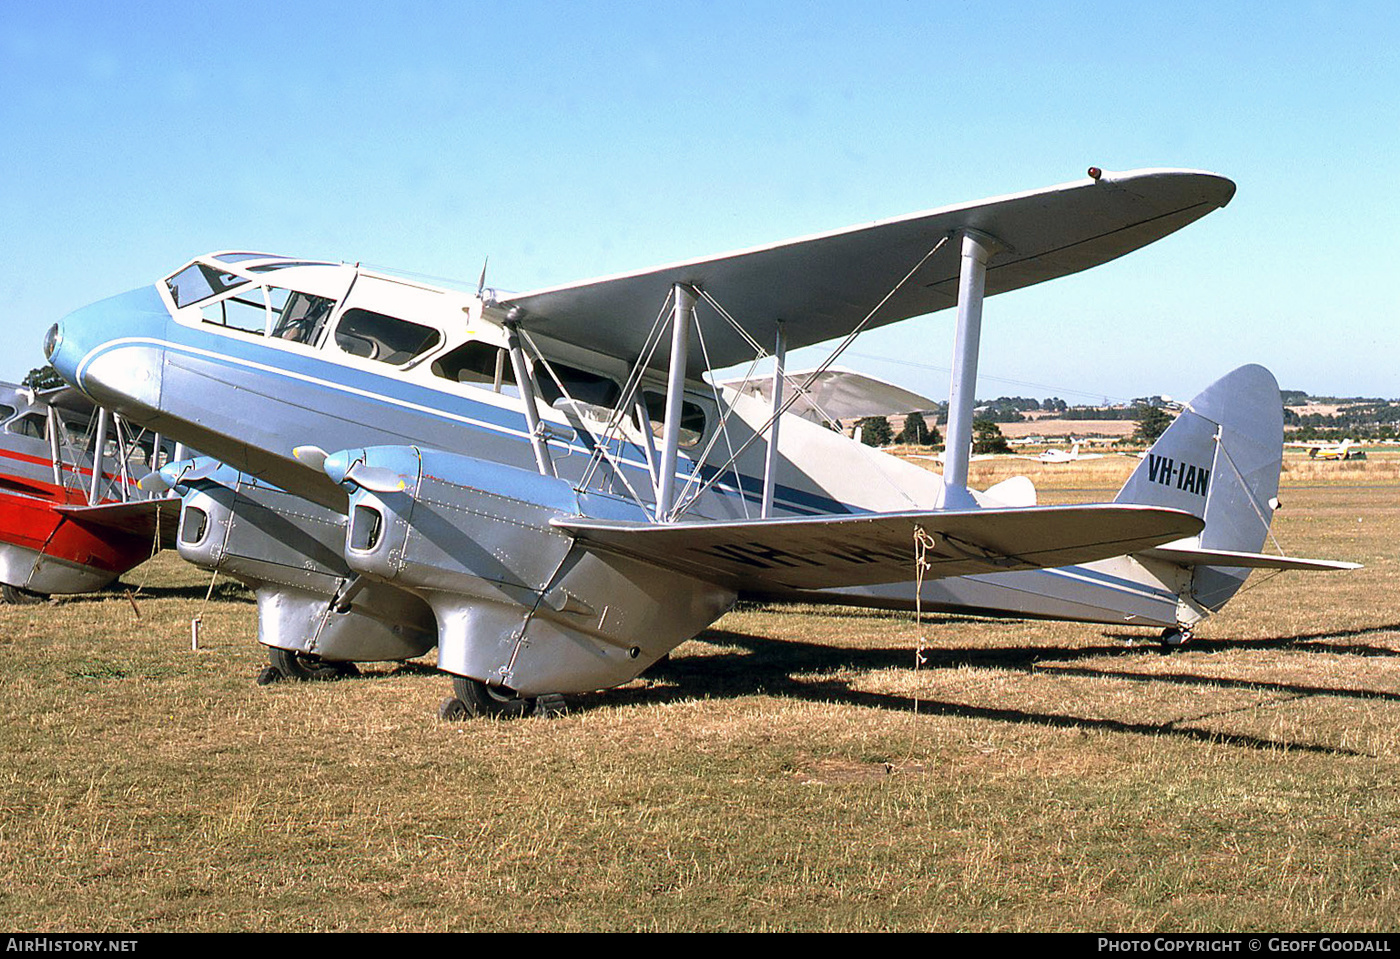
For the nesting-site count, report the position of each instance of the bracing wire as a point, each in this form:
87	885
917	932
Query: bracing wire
811	378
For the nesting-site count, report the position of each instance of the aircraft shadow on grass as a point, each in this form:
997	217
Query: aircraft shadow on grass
776	668
225	591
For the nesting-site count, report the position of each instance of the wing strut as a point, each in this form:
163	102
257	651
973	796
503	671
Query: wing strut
977	249
98	450
526	385
675	394
770	468
55	453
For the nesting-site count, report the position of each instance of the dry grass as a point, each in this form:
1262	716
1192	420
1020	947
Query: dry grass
789	769
1101	478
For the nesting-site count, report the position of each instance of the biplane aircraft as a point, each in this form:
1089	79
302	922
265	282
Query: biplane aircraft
71	516
831	395
546	486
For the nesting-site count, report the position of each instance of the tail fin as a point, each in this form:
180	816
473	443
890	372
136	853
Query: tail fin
1220	460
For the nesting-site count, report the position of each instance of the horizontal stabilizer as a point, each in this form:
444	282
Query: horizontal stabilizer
1224	557
821	552
138	519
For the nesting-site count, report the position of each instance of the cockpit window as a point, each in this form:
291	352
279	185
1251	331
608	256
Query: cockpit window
6	412
301	317
384	338
198	282
239	257
246	311
282	265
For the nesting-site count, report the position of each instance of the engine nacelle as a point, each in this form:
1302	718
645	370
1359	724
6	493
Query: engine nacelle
518	602
288	551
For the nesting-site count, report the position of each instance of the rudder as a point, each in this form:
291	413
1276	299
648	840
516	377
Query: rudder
1220	459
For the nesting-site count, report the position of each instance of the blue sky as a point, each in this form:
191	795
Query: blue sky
568	140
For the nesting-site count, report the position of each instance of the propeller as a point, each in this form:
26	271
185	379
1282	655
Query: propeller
348	466
178	473
376	479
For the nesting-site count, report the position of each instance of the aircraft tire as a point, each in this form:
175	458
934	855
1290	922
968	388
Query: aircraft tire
453	710
1174	636
21	597
480	699
293	664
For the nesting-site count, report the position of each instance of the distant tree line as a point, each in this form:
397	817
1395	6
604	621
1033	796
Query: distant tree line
876	431
1102	412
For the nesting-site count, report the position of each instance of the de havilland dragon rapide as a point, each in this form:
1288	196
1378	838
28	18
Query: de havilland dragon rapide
71	516
552	489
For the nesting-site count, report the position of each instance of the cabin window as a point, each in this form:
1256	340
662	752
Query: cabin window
591	393
692	419
387	339
301	317
199	282
477	363
75	433
245	311
31	424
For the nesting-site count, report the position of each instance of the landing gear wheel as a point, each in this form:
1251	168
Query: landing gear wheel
453	710
1174	636
479	699
293	664
21	597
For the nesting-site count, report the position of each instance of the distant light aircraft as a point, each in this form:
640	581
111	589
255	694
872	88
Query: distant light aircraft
1345	450
67	524
482	471
1064	456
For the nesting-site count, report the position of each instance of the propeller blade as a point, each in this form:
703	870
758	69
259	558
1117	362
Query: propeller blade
376	479
153	482
312	456
172	475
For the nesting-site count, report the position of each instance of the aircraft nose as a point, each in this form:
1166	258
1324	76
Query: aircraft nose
113	350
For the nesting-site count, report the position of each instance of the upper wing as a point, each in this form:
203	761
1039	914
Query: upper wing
823	285
839	394
819	552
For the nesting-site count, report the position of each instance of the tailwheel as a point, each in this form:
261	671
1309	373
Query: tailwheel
296	665
21	597
475	698
1176	636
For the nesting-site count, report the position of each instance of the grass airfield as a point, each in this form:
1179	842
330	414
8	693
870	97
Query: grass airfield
789	769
